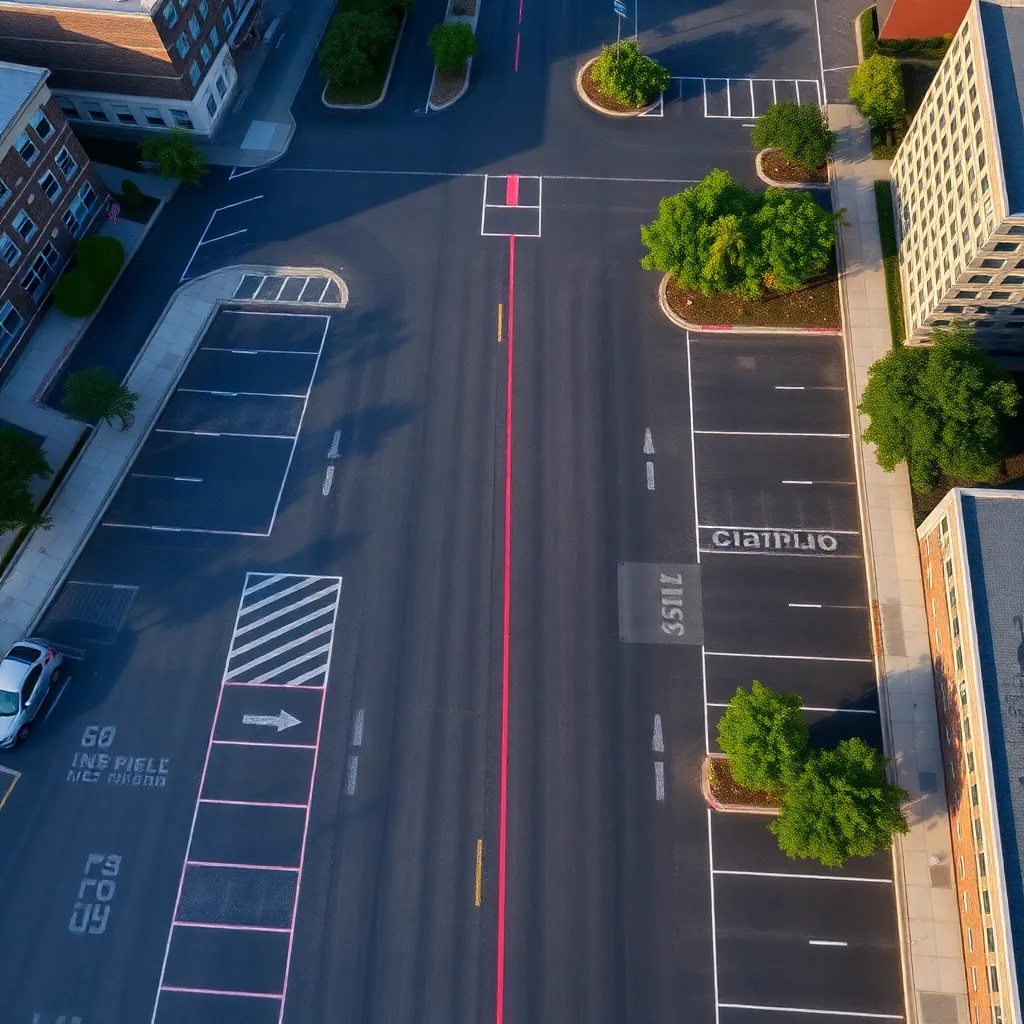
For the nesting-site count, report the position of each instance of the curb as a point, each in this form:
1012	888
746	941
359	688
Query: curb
800	186
260	268
705	788
857	37
39	395
688	325
387	81
458	96
601	110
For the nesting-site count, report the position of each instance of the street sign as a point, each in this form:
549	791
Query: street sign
620	7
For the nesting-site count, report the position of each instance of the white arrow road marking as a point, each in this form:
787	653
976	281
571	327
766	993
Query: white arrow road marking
333	453
648	443
281	721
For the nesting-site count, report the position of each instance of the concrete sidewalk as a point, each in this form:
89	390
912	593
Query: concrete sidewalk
933	963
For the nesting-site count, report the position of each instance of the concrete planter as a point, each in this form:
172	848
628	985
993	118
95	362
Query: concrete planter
387	81
705	787
786	184
604	110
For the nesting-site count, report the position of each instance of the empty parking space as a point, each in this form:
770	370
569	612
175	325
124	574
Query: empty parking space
746	98
218	459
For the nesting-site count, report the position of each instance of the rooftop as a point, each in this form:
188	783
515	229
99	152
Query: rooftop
1003	28
994	536
102	6
17	83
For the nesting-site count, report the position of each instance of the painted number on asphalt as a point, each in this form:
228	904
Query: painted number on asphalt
672	604
98	736
96	889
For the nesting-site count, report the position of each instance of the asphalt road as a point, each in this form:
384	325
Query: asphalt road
158	866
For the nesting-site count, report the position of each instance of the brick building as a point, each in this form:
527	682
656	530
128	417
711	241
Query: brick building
49	195
972	552
139	64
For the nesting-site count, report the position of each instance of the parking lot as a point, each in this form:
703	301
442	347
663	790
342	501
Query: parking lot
218	459
785	601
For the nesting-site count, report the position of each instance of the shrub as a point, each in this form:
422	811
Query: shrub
20	462
876	89
719	236
765	736
132	195
452	44
357	38
175	156
101	257
96	394
939	409
840	805
76	294
800	131
868	32
630	76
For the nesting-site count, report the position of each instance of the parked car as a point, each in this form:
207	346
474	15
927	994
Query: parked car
27	672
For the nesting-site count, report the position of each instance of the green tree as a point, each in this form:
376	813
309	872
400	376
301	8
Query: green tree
20	462
629	75
797	238
800	131
371	32
704	237
765	736
96	394
840	806
876	89
452	44
175	156
942	409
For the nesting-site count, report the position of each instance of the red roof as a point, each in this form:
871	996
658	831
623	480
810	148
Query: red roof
920	19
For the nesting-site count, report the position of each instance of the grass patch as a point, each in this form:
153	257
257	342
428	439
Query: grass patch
814	306
727	791
370	90
140	212
890	260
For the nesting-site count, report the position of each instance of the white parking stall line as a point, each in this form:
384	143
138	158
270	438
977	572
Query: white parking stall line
811	93
793	604
806	707
162	476
226	433
815	878
787	657
203	239
241	394
825	942
767	433
714	927
262	351
351	774
804	1009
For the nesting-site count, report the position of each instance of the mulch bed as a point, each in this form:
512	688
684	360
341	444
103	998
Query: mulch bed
604	99
463	7
448	85
817	305
726	790
141	213
777	167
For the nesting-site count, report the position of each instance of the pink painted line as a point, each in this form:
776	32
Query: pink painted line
280	686
506	644
220	992
517	53
257	743
228	927
512	190
302	859
251	803
520	12
243	867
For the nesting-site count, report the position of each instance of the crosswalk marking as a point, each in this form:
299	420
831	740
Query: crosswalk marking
291	641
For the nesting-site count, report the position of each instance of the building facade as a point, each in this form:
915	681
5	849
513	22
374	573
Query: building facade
919	19
972	553
958	186
49	196
144	65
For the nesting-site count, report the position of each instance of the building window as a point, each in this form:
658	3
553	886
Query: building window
990	939
50	185
123	113
170	14
193	73
215	37
44	268
1012	279
182	118
953	309
974	978
222	90
182	46
967	728
94	110
193	27
42	125
980	279
963	867
205	53
982	866
993	264
11	322
26	148
66	163
970	761
24	225
76	216
974	796
993	978
153	116
986	904
999	295
9	252
229	19
966	295
970	931
5	193
67	105
204	9
211	105
1006	246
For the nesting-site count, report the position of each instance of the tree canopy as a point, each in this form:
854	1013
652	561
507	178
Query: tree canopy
20	462
876	89
765	736
841	805
95	394
629	75
942	409
175	156
798	130
720	236
452	44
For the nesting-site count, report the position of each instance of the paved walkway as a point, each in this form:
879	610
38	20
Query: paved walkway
934	971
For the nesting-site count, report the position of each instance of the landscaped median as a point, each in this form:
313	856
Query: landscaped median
621	81
453	43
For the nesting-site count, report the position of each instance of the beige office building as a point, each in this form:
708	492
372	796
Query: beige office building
958	185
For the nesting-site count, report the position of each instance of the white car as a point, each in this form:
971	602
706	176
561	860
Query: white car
27	672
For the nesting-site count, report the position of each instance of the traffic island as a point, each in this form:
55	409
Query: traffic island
453	43
373	90
725	794
597	99
776	170
814	309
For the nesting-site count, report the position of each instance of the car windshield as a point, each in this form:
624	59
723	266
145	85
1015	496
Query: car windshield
8	703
